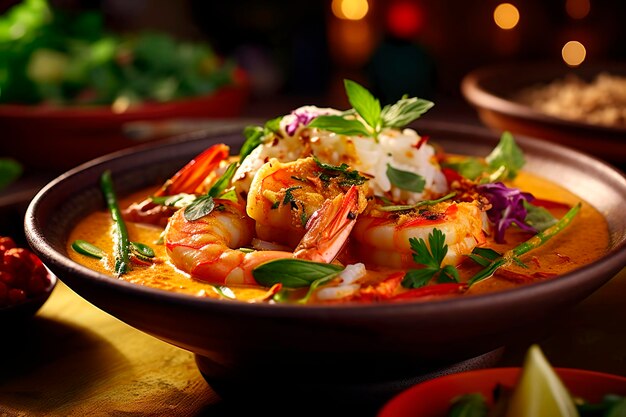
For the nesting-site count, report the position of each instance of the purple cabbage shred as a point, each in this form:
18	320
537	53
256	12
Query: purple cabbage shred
507	207
302	118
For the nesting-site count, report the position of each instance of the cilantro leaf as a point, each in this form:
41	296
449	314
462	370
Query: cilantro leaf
416	278
508	155
341	126
405	180
364	103
404	111
438	247
431	258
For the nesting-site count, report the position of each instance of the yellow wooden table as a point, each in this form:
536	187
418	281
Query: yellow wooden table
73	359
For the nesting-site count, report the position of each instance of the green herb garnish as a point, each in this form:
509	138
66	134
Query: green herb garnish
504	162
538	217
405	180
200	207
294	273
142	251
430	256
416	205
255	135
349	176
122	246
222	183
469	405
85	248
375	119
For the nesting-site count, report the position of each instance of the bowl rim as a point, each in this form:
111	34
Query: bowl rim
613	260
476	93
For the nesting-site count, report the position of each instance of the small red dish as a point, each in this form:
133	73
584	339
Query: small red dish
59	138
432	398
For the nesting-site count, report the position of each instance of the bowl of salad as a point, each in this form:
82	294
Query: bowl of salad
68	87
536	390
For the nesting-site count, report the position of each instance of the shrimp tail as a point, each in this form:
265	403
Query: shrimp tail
191	176
186	180
329	227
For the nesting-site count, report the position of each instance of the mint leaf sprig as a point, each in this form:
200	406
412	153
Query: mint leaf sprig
431	258
374	118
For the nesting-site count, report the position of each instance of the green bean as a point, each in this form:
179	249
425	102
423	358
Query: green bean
122	244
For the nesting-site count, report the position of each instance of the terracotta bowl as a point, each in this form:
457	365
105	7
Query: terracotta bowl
432	398
490	90
334	345
59	138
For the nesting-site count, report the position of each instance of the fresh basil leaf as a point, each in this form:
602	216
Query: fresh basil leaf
405	180
254	137
142	249
223	182
199	208
508	155
538	217
404	111
417	278
339	125
10	170
293	273
364	103
85	248
469	405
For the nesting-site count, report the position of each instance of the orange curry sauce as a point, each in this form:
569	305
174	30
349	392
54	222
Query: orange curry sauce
582	242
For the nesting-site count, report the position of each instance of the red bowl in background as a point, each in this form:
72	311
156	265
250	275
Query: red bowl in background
59	138
432	398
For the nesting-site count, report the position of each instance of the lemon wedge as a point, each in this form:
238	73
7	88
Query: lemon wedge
539	391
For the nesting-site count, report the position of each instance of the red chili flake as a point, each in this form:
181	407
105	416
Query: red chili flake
535	261
421	142
563	258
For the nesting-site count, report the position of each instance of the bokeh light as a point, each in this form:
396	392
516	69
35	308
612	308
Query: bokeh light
350	9
577	9
405	19
506	16
573	53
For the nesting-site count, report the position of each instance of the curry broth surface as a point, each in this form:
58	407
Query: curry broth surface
583	241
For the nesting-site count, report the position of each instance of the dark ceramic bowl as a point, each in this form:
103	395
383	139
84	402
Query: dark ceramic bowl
433	398
491	90
59	138
240	344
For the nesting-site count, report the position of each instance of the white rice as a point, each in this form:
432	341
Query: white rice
400	149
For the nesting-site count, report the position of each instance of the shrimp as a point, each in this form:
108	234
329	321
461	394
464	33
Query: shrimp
187	180
209	248
284	196
382	238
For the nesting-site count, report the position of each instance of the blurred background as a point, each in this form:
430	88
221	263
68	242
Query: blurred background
299	52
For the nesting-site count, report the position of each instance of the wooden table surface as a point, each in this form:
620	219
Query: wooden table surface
73	359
